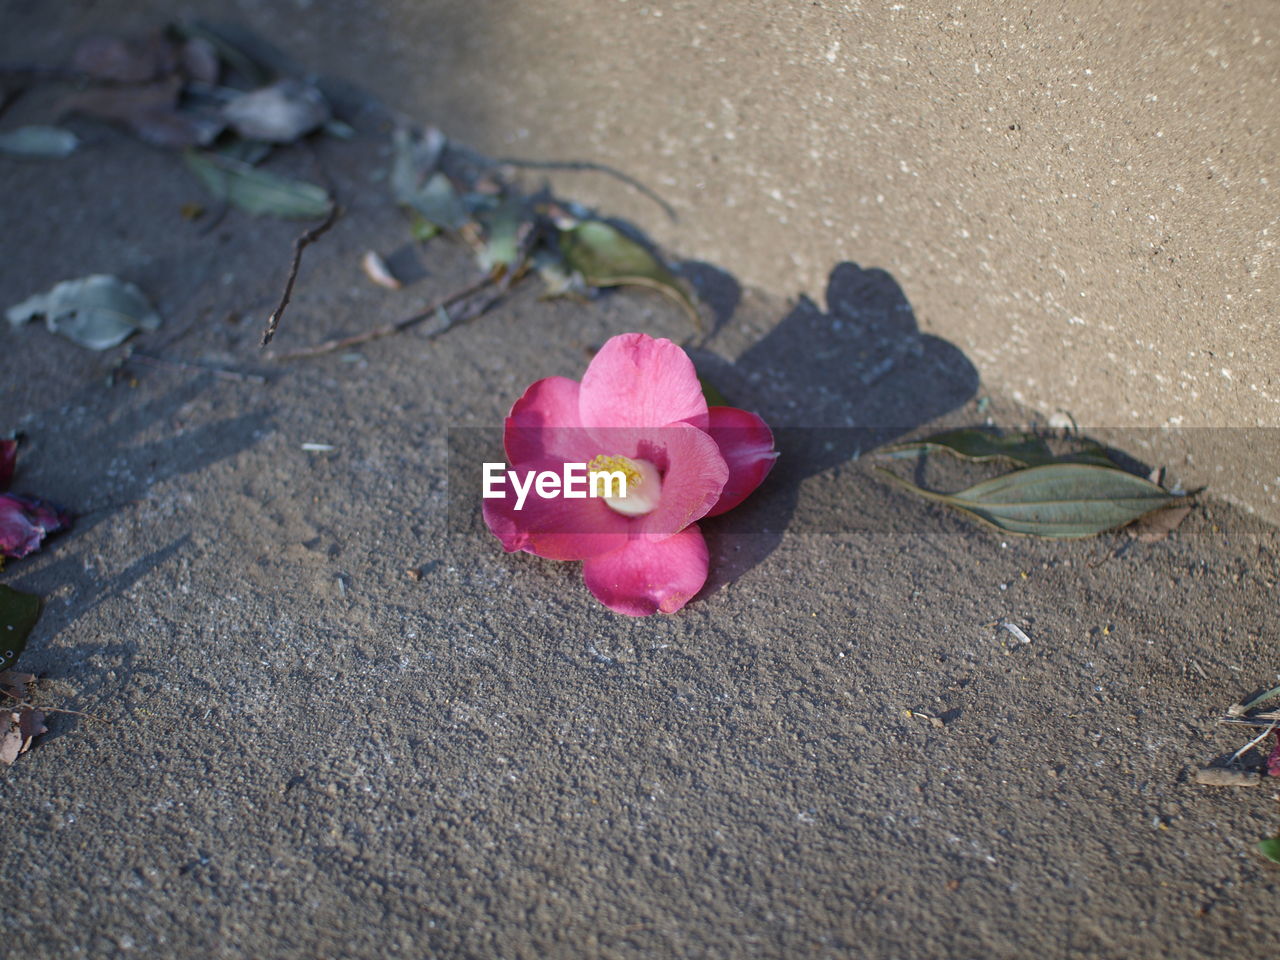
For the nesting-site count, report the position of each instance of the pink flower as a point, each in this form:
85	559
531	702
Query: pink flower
24	521
638	411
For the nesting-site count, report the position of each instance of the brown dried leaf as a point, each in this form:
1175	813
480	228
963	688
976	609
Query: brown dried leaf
1157	526
14	683
125	59
30	726
10	737
200	60
376	269
150	112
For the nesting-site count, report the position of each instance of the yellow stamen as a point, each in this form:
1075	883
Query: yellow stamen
628	468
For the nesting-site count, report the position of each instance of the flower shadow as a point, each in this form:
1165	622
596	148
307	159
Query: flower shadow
833	384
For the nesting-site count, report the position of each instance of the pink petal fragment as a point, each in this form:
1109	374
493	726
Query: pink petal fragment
694	474
746	443
637	381
1273	761
25	522
543	424
556	528
650	576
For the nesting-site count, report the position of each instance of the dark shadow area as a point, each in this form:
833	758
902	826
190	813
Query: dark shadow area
717	290
833	385
112	469
88	591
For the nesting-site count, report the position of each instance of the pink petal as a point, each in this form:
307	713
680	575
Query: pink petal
543	424
8	454
746	443
25	522
637	381
556	528
650	576
693	475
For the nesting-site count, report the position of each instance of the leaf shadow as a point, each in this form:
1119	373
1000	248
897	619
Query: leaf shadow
92	684
833	384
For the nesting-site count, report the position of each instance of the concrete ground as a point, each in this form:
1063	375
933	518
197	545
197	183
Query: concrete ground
344	723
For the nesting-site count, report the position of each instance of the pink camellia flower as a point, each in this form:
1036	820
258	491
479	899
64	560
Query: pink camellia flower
639	412
24	521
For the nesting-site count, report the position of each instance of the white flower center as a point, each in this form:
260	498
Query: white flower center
639	478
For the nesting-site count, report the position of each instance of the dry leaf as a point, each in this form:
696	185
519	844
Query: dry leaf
280	113
125	59
376	269
1157	526
150	112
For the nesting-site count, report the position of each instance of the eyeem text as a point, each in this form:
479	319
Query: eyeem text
574	482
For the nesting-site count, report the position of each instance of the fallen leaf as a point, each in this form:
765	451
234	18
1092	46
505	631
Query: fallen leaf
504	228
1227	777
1157	526
605	257
712	395
250	152
97	311
1270	848
417	183
150	112
1240	709
125	59
18	614
257	191
255	62
20	728
376	269
200	60
983	445
557	279
1057	501
38	141
15	684
280	113
30	725
10	736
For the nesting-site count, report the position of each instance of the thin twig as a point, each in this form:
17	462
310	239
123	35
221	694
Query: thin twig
1251	744
579	166
28	705
300	244
198	368
377	333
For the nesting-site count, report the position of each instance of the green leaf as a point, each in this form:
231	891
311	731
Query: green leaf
1059	501
608	258
713	396
422	228
1260	699
502	230
18	614
982	445
38	141
98	311
1270	848
416	182
257	191
439	203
